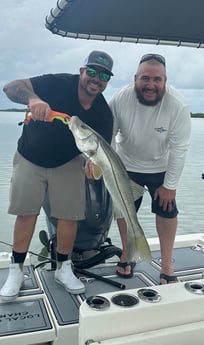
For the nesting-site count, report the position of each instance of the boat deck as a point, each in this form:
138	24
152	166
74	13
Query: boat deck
45	313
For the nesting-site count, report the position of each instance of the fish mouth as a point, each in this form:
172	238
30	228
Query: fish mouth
70	124
78	128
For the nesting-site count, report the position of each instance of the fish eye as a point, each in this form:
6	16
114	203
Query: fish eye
91	153
83	126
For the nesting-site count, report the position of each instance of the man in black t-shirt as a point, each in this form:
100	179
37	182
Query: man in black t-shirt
48	161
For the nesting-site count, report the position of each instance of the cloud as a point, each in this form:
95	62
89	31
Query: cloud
28	49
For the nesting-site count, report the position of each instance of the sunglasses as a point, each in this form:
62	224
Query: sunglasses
103	76
156	57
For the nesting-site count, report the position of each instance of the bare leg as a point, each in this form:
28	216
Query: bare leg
23	232
124	257
166	228
66	234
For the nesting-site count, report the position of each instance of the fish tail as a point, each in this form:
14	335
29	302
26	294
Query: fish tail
143	249
138	247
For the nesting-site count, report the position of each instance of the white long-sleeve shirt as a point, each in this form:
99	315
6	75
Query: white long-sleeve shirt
152	139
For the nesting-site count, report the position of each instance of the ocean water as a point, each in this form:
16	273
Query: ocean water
190	193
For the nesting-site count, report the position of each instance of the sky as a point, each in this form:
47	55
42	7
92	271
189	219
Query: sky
29	49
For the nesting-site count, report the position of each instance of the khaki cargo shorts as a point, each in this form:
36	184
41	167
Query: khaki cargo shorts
65	186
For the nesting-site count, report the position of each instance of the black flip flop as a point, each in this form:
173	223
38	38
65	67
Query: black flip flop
124	265
168	278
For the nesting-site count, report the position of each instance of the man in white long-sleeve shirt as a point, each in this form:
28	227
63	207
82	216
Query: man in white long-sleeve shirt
152	134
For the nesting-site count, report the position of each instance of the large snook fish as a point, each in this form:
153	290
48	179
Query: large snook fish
116	181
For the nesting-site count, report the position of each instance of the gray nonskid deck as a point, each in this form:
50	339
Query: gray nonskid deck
42	300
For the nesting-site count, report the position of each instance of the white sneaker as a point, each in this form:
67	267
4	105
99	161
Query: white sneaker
10	289
65	277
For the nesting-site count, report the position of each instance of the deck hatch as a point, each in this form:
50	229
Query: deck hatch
23	317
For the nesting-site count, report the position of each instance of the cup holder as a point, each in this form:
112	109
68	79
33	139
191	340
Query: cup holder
149	295
195	288
98	302
124	300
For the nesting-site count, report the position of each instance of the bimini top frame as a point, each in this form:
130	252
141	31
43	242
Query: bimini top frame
169	22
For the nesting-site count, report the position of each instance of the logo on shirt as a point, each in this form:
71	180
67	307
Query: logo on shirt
160	129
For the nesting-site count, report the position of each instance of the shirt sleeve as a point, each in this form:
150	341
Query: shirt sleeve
113	107
179	141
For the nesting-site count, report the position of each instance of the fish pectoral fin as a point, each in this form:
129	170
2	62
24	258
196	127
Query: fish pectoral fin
97	172
137	190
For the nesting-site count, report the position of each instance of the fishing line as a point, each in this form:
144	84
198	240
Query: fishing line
30	252
82	271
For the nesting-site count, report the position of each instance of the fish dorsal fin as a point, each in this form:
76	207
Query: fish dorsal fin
97	173
137	190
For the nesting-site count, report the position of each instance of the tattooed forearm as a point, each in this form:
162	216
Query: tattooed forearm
19	92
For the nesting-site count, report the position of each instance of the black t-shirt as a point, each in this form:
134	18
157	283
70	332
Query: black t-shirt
51	144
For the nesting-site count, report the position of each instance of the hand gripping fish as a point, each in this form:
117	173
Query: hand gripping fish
116	181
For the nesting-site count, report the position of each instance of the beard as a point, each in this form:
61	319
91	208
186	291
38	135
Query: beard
144	101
